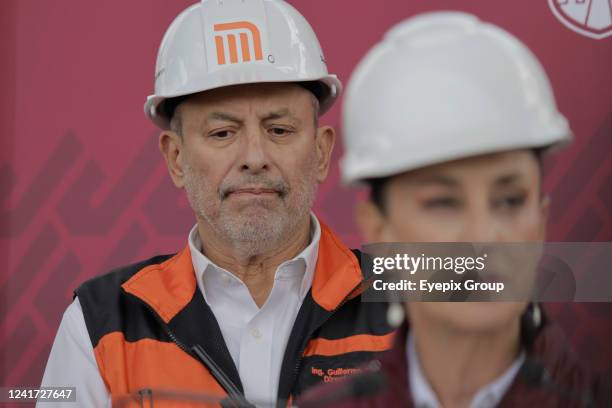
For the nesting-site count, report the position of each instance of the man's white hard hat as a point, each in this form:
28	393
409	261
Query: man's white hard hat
443	86
217	43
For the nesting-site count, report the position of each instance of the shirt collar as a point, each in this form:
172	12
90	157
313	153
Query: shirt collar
488	396
309	256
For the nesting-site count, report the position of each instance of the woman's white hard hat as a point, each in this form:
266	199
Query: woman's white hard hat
443	86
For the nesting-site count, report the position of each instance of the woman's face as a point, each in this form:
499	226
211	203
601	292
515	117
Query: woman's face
488	198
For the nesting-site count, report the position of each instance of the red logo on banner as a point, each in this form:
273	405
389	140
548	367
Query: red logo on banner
592	18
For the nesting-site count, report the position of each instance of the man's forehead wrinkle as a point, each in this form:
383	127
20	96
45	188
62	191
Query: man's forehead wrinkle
277	114
238	106
263	115
219	115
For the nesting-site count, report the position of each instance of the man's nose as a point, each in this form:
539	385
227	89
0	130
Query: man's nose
254	157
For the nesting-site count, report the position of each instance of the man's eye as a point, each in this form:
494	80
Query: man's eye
442	203
511	201
222	134
279	131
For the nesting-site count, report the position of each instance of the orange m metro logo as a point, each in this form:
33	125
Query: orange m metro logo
243	29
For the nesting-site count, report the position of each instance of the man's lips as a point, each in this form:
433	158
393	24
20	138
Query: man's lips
262	192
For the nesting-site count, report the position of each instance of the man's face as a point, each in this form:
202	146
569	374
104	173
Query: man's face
488	198
250	158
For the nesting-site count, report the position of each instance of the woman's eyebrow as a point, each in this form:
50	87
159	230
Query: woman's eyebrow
507	179
440	179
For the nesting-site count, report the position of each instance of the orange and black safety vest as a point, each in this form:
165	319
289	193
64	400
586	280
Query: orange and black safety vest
144	321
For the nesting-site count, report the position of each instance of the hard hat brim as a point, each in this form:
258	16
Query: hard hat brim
153	105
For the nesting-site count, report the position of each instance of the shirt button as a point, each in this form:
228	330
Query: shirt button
256	333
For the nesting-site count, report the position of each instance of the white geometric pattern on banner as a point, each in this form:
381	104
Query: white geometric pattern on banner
591	18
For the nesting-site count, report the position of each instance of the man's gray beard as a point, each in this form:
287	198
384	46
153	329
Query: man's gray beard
250	235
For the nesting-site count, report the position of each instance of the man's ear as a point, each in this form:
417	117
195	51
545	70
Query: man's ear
544	210
325	140
171	147
370	221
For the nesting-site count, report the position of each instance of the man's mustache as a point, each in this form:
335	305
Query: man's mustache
279	186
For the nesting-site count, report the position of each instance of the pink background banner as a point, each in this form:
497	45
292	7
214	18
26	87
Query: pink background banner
83	188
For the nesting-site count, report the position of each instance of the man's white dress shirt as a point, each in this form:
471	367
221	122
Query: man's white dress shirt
488	396
256	337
